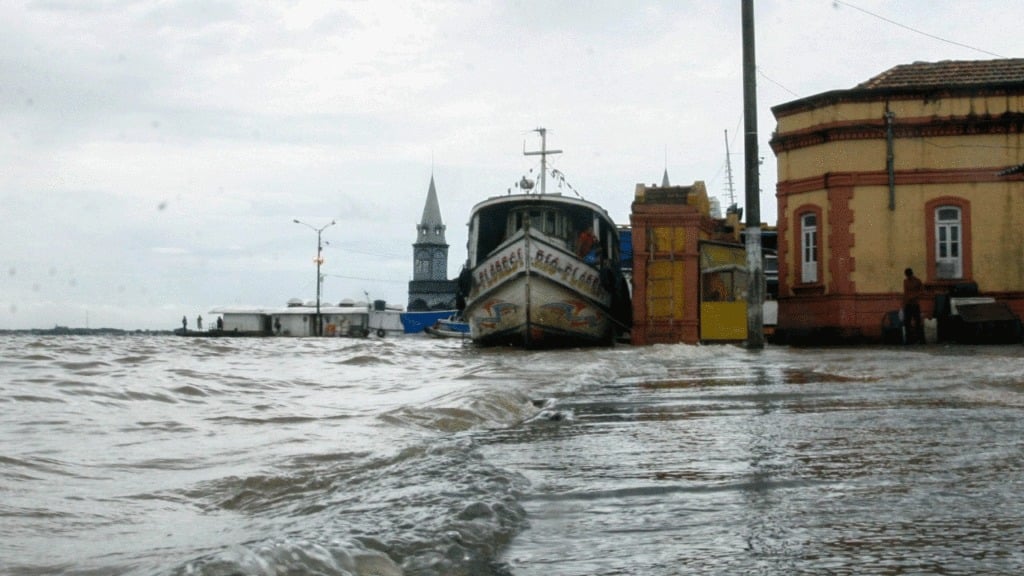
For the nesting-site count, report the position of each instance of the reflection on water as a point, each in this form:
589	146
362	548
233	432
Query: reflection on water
417	456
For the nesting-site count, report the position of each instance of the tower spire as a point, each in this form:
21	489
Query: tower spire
664	176
431	228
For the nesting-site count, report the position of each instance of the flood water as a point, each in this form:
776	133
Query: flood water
163	455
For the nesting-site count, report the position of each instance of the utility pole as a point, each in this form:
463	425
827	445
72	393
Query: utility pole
755	268
318	328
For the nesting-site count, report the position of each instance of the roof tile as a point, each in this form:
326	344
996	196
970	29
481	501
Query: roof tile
949	73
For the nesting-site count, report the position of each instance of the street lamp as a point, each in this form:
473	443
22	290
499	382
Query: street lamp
317	331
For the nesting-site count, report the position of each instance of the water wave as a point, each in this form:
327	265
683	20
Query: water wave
414	456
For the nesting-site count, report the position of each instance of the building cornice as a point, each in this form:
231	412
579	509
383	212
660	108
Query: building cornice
901	178
909	127
901	93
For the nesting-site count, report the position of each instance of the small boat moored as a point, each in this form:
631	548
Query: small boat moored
452	327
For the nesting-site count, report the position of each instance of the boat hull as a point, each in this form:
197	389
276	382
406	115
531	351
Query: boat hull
448	328
415	322
533	294
438	332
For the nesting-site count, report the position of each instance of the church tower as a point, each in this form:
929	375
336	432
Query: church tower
430	288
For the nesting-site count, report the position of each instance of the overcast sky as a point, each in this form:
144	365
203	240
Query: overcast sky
153	154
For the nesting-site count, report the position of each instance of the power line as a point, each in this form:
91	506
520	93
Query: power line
912	29
765	76
366	279
346	250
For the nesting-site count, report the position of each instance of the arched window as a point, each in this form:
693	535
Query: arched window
948	243
809	248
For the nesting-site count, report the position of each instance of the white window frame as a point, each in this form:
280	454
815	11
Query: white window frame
949	243
809	248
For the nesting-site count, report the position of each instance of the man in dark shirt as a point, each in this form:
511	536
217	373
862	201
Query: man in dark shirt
912	291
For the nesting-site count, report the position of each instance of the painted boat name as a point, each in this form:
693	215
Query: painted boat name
500	267
550	263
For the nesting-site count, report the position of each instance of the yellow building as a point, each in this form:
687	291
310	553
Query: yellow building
689	269
913	168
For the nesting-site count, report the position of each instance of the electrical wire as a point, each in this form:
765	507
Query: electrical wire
915	30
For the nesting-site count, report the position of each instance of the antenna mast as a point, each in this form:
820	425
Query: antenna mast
728	171
543	153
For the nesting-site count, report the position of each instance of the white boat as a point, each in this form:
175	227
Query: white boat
528	281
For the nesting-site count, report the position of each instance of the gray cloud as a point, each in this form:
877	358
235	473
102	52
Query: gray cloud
155	153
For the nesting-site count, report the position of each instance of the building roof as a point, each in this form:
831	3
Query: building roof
949	73
949	78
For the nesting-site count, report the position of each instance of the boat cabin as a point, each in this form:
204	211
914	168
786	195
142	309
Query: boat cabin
560	219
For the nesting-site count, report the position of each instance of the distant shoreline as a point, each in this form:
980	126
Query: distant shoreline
67	331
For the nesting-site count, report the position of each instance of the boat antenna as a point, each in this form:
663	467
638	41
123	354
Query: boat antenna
543	153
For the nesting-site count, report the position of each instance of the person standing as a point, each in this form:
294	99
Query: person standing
585	243
199	322
184	324
912	291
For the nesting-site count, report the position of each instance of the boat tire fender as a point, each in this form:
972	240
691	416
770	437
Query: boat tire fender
380	332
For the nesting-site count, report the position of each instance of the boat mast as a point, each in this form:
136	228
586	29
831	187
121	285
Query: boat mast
543	153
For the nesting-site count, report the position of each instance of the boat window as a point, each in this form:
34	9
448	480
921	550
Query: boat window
515	223
537	219
550	223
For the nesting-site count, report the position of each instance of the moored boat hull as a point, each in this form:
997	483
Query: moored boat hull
549	300
506	318
452	327
438	332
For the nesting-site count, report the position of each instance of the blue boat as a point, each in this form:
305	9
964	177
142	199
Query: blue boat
415	322
452	327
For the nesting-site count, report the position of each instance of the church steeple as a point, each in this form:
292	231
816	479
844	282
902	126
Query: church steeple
430	252
430	288
431	228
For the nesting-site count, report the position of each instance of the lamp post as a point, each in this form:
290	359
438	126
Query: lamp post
319	260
